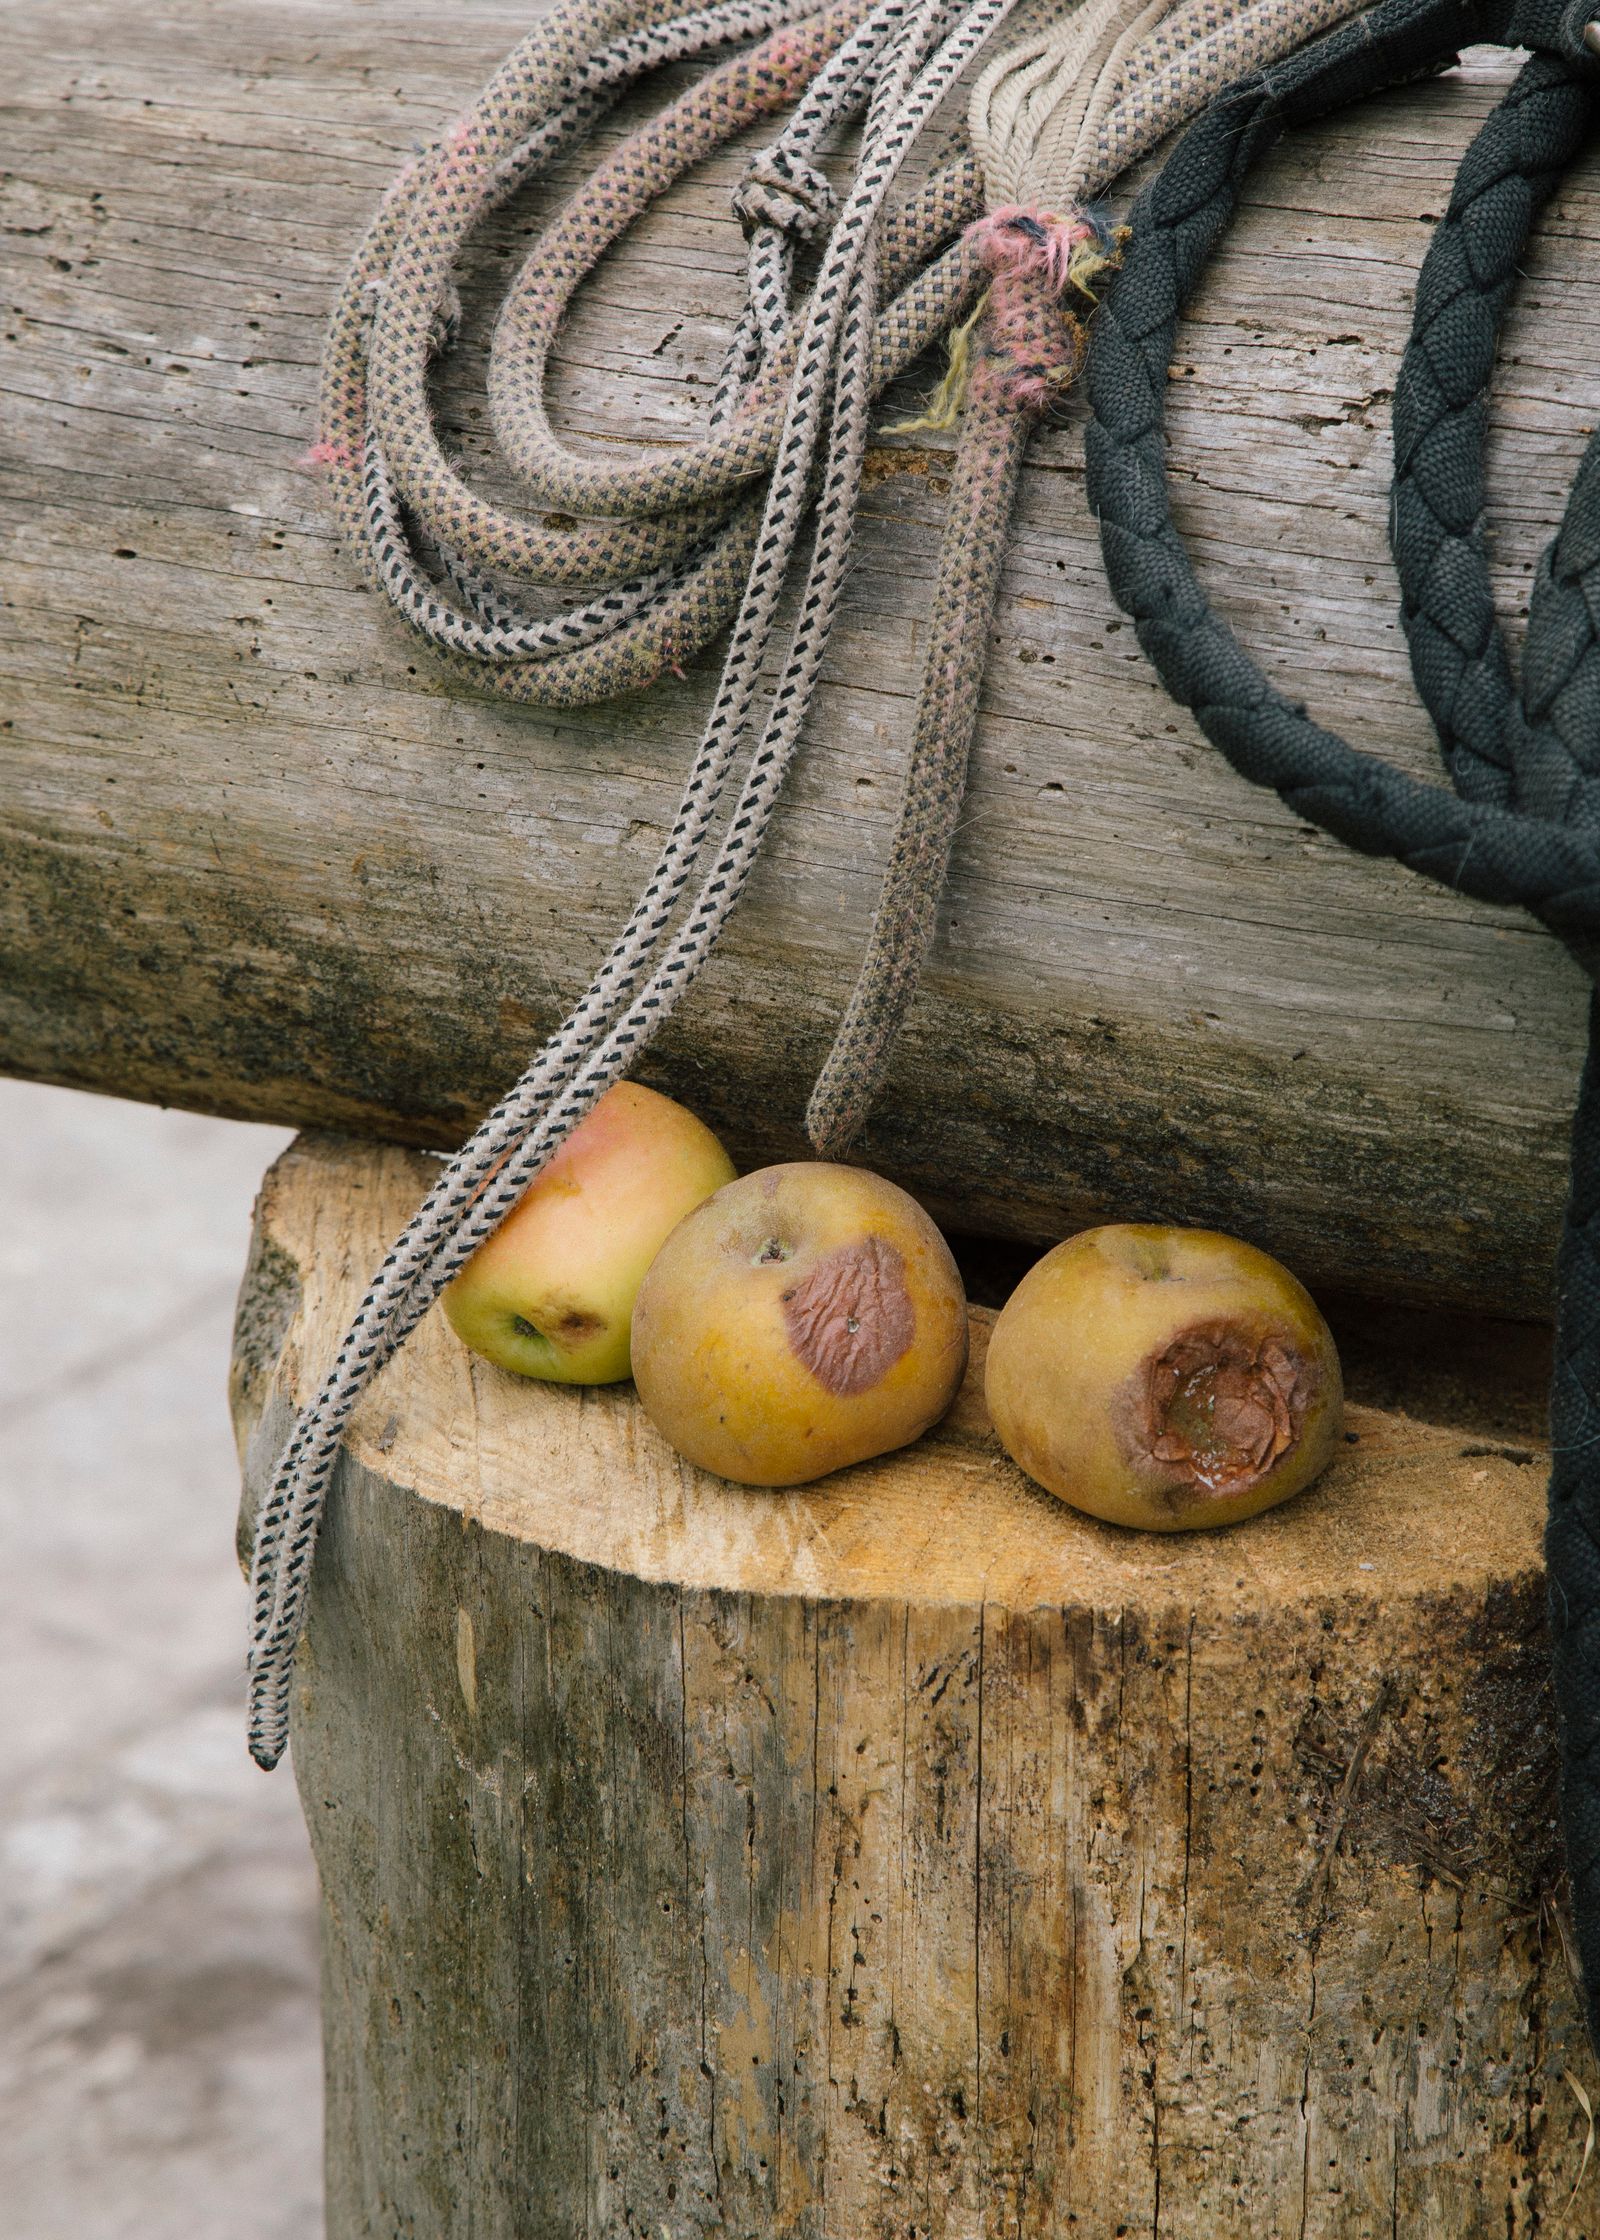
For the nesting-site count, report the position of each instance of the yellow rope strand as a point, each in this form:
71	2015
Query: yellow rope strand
944	406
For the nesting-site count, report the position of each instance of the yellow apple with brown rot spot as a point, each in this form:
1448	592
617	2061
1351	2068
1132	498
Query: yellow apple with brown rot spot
551	1293
1164	1378
806	1317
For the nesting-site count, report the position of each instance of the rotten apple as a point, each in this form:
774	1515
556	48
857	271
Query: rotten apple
806	1317
1164	1378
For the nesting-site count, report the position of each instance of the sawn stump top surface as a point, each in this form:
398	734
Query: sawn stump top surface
1414	1507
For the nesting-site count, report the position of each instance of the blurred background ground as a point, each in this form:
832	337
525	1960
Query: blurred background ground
159	2066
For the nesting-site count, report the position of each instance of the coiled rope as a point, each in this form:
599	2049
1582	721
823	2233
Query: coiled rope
917	62
1520	821
670	538
689	541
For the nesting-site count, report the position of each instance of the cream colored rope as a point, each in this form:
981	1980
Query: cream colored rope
1058	117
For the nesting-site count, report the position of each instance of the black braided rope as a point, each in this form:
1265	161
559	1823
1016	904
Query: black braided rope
1522	823
1458	651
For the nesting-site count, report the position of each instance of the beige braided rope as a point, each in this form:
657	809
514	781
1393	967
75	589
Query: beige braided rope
1055	120
666	940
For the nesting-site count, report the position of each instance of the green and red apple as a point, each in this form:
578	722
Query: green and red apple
550	1294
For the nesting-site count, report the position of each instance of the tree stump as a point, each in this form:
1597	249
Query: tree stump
909	1855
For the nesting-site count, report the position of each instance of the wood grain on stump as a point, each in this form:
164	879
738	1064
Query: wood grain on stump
257	856
909	1855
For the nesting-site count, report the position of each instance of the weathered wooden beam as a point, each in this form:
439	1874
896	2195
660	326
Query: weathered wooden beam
258	857
909	1854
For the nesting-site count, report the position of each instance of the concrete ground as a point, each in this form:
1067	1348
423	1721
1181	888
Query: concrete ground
159	2070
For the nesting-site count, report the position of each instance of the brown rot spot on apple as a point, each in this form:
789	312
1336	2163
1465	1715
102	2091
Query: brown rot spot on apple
1220	1404
572	1328
850	1320
1166	1379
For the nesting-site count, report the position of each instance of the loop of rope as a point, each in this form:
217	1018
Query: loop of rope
783	191
1478	845
633	995
1531	754
651	532
1519	823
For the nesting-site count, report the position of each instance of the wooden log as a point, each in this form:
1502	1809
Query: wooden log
256	857
910	1854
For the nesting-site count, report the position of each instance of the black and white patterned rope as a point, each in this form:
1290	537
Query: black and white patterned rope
632	995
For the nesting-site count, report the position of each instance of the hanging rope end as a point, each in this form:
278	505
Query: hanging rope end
268	1731
835	1116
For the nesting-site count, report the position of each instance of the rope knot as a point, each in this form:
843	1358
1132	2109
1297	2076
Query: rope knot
1023	244
781	189
1034	342
1022	344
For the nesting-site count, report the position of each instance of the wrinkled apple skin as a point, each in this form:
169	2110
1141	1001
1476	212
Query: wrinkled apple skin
806	1317
551	1293
1167	1379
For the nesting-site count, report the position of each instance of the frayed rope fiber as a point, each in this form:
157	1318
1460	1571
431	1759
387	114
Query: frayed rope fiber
1034	258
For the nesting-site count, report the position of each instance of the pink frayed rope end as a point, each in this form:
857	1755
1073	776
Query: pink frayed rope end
325	454
1033	335
1017	243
